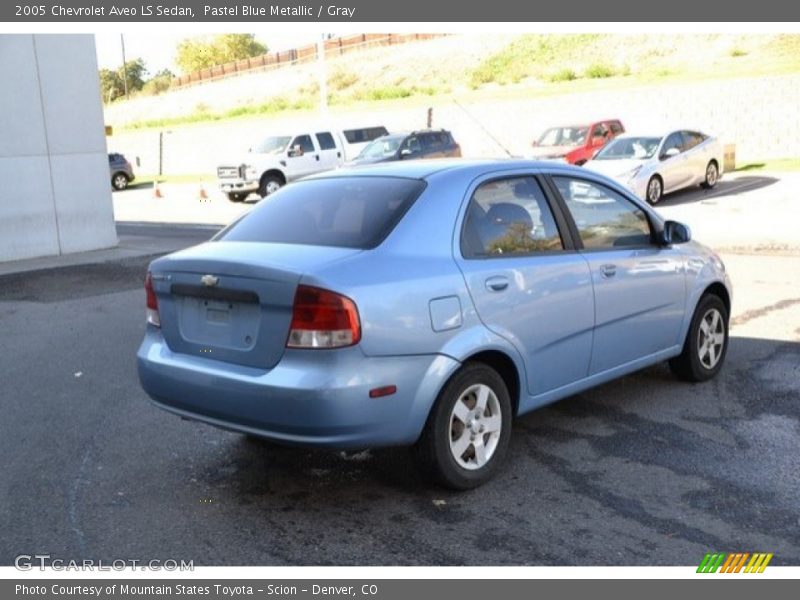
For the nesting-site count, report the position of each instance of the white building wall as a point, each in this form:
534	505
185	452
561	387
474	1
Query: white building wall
55	193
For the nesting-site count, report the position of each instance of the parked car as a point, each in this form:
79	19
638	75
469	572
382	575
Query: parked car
121	171
279	159
427	303
577	143
654	165
416	144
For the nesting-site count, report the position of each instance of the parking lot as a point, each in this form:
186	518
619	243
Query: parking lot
644	470
741	214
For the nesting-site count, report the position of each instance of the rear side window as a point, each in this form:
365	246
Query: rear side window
325	141
509	217
616	127
346	212
364	134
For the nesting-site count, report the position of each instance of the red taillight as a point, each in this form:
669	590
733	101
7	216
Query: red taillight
152	302
323	319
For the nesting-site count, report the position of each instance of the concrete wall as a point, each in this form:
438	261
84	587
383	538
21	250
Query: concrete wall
760	115
55	196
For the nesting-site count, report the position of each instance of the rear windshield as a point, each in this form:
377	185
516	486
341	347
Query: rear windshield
347	212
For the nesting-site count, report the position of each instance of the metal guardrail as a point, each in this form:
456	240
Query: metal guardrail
276	60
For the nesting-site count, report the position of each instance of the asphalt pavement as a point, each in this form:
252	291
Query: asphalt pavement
644	470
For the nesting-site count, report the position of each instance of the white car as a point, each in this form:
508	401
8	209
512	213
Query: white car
654	165
279	159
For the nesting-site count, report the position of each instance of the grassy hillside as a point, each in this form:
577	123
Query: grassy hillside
469	67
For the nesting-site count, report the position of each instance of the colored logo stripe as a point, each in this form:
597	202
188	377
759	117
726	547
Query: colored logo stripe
734	562
758	563
711	563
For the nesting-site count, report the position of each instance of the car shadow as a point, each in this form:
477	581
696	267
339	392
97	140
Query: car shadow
139	185
724	189
301	468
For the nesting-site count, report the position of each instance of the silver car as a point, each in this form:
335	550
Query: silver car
654	165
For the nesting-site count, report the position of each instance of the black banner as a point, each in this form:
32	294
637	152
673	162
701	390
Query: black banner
265	11
391	589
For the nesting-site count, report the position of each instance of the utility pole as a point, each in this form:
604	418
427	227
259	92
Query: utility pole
323	77
124	66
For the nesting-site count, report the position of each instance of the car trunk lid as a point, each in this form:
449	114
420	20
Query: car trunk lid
232	301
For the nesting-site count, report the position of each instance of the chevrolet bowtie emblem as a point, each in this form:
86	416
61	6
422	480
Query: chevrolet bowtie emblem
209	280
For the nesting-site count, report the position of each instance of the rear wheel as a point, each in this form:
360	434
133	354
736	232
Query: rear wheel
237	196
655	189
712	175
119	181
467	432
706	342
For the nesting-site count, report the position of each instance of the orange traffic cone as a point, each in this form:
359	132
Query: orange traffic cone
157	191
203	195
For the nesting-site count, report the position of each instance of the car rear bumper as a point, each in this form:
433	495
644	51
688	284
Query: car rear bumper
311	397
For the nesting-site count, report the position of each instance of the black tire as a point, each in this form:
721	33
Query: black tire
580	163
268	185
237	196
655	190
712	175
432	450
689	365
119	181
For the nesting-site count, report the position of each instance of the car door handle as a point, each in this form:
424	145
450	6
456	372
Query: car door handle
496	284
608	270
317	156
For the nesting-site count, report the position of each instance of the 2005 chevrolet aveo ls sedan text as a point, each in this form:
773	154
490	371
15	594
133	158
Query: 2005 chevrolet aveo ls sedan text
427	303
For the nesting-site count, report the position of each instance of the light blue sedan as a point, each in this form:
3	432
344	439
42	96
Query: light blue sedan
427	303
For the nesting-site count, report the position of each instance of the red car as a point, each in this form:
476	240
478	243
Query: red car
577	143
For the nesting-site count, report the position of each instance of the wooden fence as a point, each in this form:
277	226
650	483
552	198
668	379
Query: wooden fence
304	54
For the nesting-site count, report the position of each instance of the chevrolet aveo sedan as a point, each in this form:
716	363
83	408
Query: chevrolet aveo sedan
427	303
654	165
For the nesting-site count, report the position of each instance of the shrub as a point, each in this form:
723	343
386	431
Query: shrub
599	71
563	75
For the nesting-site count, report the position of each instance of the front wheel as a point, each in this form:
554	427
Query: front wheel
237	196
655	189
467	432
706	342
269	185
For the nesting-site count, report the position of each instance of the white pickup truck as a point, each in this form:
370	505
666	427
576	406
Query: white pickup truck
280	159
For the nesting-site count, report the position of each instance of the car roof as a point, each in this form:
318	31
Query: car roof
646	134
422	169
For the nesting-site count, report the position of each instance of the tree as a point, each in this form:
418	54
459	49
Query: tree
112	83
160	82
198	53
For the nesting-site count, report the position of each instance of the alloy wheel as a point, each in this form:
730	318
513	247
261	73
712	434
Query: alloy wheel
711	338
475	426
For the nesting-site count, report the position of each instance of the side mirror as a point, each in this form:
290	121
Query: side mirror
675	233
406	152
670	153
296	150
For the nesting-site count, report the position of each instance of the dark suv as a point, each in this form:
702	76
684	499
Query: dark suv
121	171
427	143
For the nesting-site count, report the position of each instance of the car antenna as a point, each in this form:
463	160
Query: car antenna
486	131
